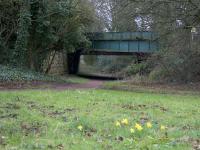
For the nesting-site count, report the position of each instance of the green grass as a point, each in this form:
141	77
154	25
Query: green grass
49	120
150	87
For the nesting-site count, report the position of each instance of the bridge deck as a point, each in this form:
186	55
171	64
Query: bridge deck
124	42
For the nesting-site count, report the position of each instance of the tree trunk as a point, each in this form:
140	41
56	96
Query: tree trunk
31	60
49	64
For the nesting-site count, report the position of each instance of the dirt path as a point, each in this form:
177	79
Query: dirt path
91	84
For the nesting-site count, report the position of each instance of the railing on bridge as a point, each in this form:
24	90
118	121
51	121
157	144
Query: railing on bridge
124	42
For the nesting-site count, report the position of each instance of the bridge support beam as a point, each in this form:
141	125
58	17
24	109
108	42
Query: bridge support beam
73	60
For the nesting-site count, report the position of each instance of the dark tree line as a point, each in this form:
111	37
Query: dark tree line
30	29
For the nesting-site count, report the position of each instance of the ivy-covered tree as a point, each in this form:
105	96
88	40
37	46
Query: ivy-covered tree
9	15
19	55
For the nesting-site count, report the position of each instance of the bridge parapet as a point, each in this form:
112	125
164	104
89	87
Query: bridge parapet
124	36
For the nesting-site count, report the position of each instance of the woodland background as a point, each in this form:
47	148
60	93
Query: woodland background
31	29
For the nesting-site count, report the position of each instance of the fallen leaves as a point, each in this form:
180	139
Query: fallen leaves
34	127
60	146
9	116
143	107
119	138
3	140
193	141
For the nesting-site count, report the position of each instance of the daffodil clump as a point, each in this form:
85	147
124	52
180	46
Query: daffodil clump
137	127
162	127
118	124
149	125
124	121
80	127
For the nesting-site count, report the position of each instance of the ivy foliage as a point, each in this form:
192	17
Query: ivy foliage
10	74
20	52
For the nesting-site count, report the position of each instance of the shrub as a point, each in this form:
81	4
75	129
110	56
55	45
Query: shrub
137	68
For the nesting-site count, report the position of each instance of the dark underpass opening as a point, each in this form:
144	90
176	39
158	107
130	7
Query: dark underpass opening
107	67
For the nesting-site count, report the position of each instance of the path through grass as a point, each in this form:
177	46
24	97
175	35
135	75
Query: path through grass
50	120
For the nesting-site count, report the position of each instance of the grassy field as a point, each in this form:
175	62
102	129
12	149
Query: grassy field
98	119
150	87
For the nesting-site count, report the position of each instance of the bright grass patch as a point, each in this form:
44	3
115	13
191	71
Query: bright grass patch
98	119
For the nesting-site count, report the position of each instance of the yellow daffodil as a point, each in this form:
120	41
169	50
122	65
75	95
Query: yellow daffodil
118	124
132	130
124	121
162	127
138	127
149	125
80	127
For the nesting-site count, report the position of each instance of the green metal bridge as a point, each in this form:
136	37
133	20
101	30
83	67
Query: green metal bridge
123	42
116	43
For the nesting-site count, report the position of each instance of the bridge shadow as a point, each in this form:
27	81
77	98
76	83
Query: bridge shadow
98	77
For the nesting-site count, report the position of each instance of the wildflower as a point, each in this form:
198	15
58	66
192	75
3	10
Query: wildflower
117	124
149	125
162	127
80	127
132	130
138	127
124	121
